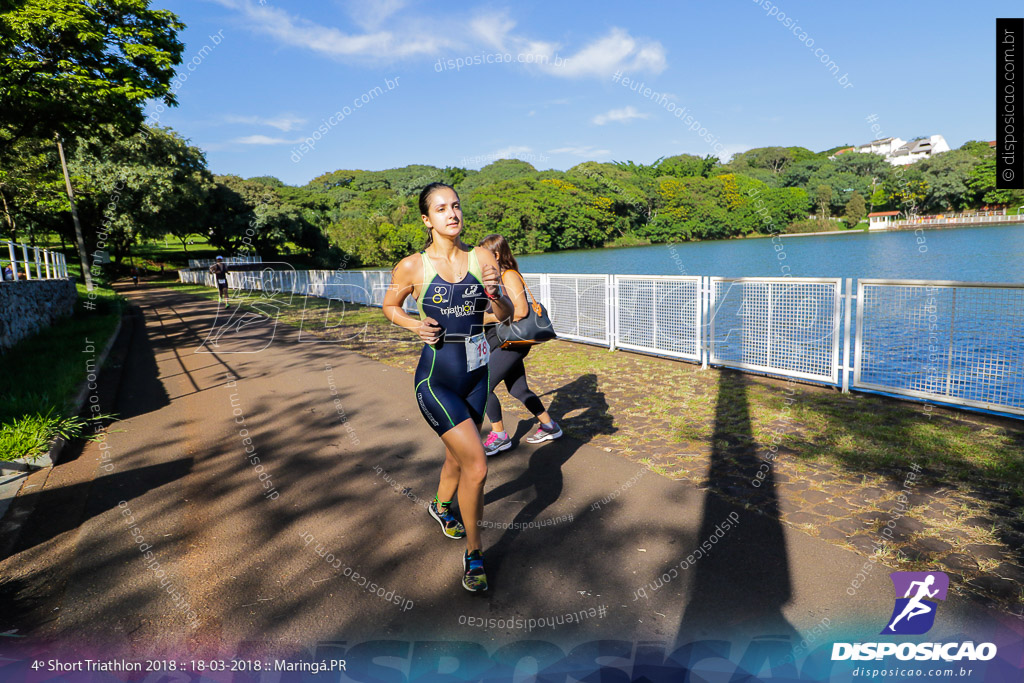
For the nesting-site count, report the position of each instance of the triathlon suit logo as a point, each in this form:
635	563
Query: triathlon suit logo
439	294
914	613
471	290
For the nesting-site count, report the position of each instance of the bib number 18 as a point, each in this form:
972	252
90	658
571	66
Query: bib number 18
478	352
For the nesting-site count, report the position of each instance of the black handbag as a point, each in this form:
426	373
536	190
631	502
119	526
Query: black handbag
535	328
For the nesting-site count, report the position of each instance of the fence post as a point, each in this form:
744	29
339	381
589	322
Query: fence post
46	262
705	328
952	336
24	256
846	336
613	306
14	261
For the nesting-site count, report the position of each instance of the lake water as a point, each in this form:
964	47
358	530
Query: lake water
973	254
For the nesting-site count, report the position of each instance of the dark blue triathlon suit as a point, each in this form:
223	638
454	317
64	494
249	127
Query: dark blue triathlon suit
448	393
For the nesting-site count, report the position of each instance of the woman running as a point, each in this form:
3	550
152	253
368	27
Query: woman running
506	365
453	285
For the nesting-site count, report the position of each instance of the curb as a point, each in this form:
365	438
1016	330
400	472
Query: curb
46	462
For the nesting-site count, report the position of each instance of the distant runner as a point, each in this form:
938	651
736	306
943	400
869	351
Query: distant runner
220	273
453	285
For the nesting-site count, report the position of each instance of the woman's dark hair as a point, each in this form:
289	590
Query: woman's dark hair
499	244
425	204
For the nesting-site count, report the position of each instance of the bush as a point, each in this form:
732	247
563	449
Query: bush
30	436
809	225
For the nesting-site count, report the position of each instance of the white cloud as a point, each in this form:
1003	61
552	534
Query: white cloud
618	51
370	14
581	151
427	35
299	32
283	123
511	152
264	140
492	29
624	114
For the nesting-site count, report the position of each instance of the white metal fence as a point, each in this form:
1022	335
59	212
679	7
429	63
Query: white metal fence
955	342
949	342
35	263
787	326
207	262
956	220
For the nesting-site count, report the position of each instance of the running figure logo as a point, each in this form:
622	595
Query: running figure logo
914	613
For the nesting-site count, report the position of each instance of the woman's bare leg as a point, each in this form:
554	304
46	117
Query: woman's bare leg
450	473
464	445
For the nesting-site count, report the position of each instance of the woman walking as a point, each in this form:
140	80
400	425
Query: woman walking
454	285
506	365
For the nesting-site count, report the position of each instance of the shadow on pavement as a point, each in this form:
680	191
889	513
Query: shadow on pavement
741	585
544	471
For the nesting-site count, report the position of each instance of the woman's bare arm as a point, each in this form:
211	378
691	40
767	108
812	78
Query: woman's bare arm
501	308
516	292
404	279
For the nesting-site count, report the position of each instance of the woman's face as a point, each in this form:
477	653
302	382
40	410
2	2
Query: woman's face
444	213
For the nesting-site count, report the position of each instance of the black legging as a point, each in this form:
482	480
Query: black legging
507	365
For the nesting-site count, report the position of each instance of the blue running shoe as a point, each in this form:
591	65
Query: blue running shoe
451	527
474	579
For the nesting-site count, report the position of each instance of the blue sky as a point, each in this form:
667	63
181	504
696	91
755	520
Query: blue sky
261	76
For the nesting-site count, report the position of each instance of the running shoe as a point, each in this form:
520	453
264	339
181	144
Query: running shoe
474	579
494	444
451	527
545	433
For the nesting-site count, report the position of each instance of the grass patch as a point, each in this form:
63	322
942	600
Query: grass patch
29	436
40	375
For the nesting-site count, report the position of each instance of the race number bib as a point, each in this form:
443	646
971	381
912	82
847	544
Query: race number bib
221	282
478	352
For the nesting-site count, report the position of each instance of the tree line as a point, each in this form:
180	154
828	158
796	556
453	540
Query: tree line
76	76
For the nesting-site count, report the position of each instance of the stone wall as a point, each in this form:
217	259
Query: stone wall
29	306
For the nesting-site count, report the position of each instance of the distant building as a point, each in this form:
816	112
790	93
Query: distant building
915	150
899	152
885	146
880	220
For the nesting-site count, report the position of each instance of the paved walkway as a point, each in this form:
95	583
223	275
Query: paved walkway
679	421
346	462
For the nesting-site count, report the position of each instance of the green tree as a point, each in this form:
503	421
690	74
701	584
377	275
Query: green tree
906	189
855	210
68	68
687	165
502	169
947	177
823	202
978	149
982	183
32	198
143	186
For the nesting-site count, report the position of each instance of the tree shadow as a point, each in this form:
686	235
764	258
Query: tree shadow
740	586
